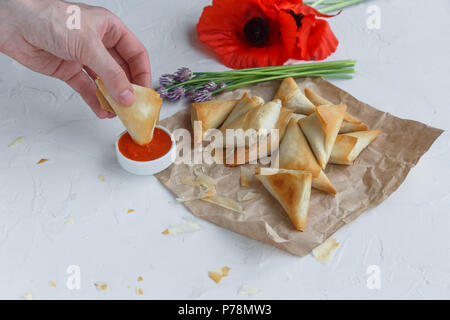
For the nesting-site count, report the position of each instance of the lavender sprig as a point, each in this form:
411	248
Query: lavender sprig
163	92
201	86
221	85
201	96
210	86
183	74
166	80
176	94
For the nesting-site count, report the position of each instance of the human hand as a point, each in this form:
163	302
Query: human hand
35	34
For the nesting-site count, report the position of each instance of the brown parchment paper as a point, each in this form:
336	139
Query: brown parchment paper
376	174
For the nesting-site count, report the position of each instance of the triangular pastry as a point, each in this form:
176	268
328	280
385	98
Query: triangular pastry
232	160
292	97
350	123
353	126
141	117
348	146
315	98
295	154
292	189
245	104
322	183
321	129
211	114
261	120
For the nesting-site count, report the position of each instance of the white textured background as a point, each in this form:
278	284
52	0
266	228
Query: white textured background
403	68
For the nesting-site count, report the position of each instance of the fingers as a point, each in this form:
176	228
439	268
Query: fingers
81	83
71	73
131	50
122	63
97	58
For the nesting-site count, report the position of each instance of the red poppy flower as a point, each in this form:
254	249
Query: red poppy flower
258	33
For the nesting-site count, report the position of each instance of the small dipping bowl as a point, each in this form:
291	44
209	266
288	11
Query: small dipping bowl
145	168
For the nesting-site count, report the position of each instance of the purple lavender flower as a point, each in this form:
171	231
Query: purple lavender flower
221	85
210	86
176	94
163	92
189	93
201	96
166	80
183	74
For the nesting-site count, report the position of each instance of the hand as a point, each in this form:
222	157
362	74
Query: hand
34	33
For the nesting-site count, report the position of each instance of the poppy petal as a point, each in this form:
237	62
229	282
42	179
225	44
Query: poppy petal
316	40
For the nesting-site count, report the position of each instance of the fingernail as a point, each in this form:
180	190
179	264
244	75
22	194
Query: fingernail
126	98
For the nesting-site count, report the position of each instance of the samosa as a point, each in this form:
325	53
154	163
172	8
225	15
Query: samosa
348	146
292	189
350	123
211	114
141	117
292	97
295	154
321	129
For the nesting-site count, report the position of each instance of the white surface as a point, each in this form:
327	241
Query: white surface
403	68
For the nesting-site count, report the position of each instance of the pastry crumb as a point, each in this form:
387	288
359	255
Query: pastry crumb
130	210
188	227
139	291
19	140
101	178
245	195
28	296
42	161
70	221
324	252
218	274
247	290
140	279
101	286
52	284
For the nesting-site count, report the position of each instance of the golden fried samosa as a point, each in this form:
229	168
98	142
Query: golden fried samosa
292	97
321	129
141	117
292	189
211	114
348	146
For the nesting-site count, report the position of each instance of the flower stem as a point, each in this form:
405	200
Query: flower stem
300	74
339	5
316	3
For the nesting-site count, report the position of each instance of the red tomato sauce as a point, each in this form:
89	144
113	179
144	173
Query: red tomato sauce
159	146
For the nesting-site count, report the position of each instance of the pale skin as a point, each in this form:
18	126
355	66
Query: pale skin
34	33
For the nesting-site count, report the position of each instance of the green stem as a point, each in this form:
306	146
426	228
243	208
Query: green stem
301	74
339	6
299	66
316	3
323	3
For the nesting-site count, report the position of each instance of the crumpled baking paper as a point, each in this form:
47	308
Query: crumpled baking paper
376	174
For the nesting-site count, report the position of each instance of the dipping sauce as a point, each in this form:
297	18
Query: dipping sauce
159	146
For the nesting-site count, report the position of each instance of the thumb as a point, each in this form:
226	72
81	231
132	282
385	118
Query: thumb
113	76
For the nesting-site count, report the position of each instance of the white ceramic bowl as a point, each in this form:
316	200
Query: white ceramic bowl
144	168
